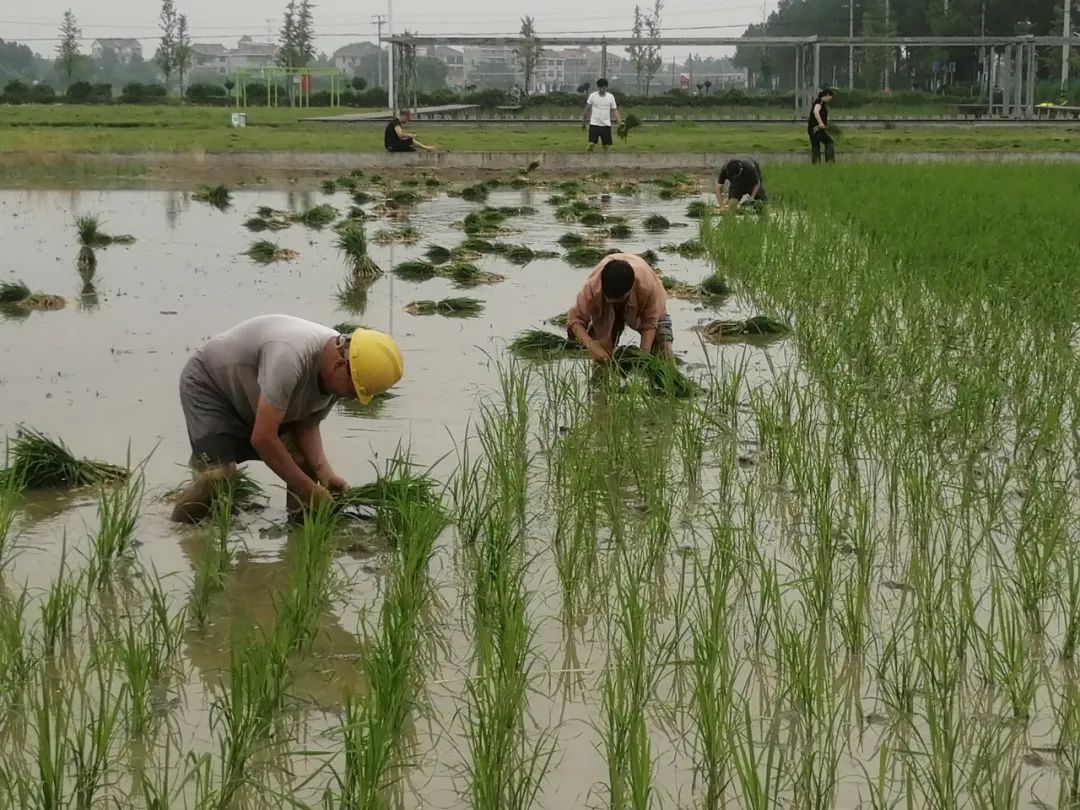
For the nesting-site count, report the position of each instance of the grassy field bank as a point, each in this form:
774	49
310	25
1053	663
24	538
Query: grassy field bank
68	129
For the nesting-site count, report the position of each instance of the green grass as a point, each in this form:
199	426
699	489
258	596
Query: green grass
40	130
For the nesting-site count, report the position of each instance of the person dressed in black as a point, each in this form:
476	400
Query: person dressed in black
740	179
396	139
817	127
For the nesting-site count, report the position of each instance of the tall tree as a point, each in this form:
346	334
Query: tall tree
182	51
653	60
166	53
636	50
644	53
67	50
528	53
297	35
286	57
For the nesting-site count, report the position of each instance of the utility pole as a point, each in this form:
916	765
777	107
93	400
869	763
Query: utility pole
1066	52
851	46
378	61
390	62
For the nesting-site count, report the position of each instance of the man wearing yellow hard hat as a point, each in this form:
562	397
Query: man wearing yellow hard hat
260	391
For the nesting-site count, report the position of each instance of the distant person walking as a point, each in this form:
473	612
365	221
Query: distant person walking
817	127
396	139
599	110
740	179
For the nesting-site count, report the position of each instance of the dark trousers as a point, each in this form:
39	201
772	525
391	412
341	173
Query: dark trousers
820	138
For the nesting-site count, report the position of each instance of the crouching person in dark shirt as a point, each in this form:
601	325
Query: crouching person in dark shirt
739	179
396	139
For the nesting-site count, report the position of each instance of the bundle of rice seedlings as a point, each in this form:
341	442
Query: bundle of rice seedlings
328	187
516	210
86	261
571	187
475	193
539	344
656	223
517	254
41	462
217	196
584	255
88	227
557	200
388	493
352	241
404	235
626	189
361	197
562	320
628	125
663	378
410	182
266	252
620	231
402	198
690	249
347	327
593	219
755	326
486	221
475	244
256	224
467	274
347	182
680	289
571	240
520	182
714	286
651	257
697	209
269	219
532	167
575	210
317	217
13	292
437	254
460	307
433	182
415	270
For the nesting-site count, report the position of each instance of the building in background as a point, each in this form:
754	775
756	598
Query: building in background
349	57
123	49
249	53
451	57
210	56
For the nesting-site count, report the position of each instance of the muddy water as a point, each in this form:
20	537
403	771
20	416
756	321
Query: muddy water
102	375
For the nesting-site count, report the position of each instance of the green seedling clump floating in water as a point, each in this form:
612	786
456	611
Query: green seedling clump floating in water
656	223
217	196
539	344
352	243
15	295
415	270
317	217
264	251
40	462
88	228
463	307
437	254
586	256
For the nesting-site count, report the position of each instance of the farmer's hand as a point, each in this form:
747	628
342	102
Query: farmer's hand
335	483
599	353
583	125
320	496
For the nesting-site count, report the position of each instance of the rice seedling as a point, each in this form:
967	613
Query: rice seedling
398	485
690	249
317	217
256	224
572	240
15	296
218	197
697	209
403	235
758	325
13	292
585	256
437	254
328	187
308	595
348	182
457	307
593	219
88	228
264	251
662	376
352	243
522	254
467	274
416	270
654	223
402	198
118	512
628	125
715	286
361	197
485	222
217	557
680	289
40	462
620	230
539	344
476	245
58	610
475	193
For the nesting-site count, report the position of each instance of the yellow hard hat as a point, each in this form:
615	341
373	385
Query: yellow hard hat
374	362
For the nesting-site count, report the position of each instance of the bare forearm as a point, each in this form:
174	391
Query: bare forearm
720	197
580	332
278	458
648	337
309	440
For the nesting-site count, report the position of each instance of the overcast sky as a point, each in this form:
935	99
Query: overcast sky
338	22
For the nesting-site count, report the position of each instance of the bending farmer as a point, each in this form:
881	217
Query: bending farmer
261	390
743	180
817	127
599	109
396	139
623	290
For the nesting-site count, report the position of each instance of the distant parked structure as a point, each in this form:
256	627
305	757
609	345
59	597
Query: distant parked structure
123	49
212	56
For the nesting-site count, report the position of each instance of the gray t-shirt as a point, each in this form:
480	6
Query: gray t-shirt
276	356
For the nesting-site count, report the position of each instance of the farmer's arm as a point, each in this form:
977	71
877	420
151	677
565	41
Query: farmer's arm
309	439
653	307
401	133
615	111
721	195
267	443
588	115
422	146
578	323
817	115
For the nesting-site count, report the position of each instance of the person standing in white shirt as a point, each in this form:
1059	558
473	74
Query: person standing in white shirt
599	110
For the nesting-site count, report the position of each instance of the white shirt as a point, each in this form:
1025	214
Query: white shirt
601	106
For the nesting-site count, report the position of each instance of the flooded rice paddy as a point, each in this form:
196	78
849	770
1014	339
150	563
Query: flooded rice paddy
844	575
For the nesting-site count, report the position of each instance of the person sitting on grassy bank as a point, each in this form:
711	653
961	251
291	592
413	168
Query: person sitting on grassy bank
260	391
740	180
396	139
623	290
